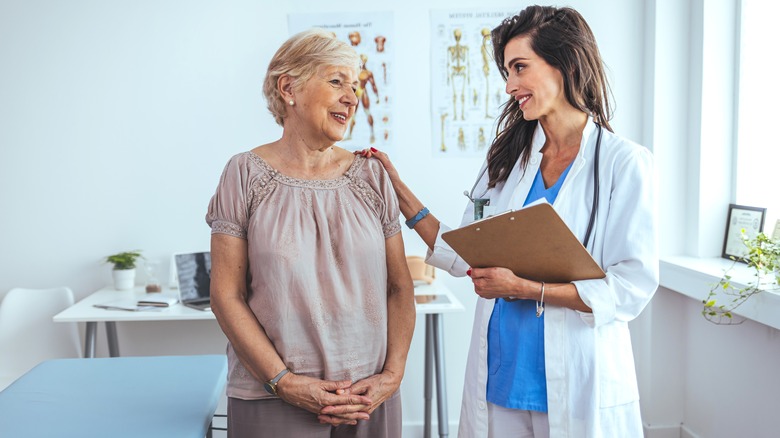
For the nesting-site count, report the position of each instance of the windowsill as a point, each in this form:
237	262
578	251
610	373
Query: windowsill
694	276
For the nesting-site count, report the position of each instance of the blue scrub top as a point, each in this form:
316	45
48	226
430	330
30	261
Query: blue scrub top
516	376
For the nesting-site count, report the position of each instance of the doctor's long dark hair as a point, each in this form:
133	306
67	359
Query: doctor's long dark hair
564	40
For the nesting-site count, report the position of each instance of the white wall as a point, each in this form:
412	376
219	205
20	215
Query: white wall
708	381
698	379
116	119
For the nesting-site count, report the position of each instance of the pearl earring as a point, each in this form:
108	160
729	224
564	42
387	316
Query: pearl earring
292	102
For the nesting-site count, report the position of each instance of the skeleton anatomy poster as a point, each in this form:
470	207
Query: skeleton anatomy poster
370	34
467	91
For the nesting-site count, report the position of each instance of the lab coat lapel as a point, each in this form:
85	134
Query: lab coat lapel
522	180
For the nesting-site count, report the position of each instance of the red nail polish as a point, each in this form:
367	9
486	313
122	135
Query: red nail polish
373	150
468	272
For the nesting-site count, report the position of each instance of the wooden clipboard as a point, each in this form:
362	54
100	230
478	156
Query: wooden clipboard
533	242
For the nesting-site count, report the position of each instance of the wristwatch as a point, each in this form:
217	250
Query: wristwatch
270	385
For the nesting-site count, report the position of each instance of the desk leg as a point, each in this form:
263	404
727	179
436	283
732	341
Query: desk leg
113	344
89	339
441	381
428	373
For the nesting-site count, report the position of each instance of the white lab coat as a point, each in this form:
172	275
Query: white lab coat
591	381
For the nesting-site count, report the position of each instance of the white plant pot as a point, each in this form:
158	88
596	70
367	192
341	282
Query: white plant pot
124	279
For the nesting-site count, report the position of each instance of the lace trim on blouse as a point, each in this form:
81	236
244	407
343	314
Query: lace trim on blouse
228	228
268	179
262	186
394	227
310	183
366	192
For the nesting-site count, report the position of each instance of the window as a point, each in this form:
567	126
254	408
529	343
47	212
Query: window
758	132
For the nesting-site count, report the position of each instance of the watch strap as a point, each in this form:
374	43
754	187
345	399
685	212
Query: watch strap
271	384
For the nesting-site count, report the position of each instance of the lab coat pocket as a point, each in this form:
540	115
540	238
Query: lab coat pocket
617	375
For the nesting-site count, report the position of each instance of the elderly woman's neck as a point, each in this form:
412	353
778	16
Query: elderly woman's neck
299	159
304	150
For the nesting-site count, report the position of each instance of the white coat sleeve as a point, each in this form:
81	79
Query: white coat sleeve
443	256
630	245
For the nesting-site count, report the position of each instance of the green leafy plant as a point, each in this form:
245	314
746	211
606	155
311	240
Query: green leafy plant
124	260
763	257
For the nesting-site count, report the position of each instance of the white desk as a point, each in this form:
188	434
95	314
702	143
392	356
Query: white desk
84	311
126	397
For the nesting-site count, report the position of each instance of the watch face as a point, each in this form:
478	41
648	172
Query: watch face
270	388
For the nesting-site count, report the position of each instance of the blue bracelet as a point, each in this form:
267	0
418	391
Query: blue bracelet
417	218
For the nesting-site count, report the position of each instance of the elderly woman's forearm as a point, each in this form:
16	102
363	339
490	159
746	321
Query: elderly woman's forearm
248	338
400	327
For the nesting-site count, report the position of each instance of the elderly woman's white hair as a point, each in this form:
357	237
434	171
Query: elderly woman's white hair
300	57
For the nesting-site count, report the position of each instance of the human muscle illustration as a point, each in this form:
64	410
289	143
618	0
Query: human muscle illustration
365	77
380	43
354	38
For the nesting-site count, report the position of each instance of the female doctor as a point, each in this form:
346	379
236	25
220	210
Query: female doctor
554	359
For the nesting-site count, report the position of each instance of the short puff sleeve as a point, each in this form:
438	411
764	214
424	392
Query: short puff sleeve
386	206
229	208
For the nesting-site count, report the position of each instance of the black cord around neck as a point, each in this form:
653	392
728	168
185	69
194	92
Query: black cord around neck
595	189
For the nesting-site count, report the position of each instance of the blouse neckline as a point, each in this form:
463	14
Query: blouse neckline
312	183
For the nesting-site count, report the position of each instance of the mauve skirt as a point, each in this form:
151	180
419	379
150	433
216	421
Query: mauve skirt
274	418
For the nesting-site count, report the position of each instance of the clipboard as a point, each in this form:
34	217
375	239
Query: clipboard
534	243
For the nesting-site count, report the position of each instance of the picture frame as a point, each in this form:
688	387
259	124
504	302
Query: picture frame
740	217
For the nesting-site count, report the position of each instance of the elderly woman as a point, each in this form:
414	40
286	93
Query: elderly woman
309	278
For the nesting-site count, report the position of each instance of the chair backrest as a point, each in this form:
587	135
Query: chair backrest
28	336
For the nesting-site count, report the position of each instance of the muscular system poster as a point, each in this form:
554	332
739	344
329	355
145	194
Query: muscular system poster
371	35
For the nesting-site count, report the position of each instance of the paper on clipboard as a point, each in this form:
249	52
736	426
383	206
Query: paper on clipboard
534	243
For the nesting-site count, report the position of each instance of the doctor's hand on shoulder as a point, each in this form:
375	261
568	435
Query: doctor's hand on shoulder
384	159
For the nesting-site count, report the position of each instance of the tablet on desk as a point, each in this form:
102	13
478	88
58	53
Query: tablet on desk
193	273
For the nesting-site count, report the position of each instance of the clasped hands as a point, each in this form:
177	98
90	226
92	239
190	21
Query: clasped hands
338	402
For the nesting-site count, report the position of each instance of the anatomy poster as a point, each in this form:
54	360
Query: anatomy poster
371	35
467	90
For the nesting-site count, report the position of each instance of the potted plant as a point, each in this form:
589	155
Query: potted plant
124	268
763	257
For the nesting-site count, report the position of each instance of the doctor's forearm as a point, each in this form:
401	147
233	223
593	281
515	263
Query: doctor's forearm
407	201
557	294
428	227
565	295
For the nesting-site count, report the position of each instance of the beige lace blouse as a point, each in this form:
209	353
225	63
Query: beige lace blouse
317	279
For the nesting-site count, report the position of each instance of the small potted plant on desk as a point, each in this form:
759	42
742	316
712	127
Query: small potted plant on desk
124	269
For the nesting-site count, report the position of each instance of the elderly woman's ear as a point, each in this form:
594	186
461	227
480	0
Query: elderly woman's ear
285	86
